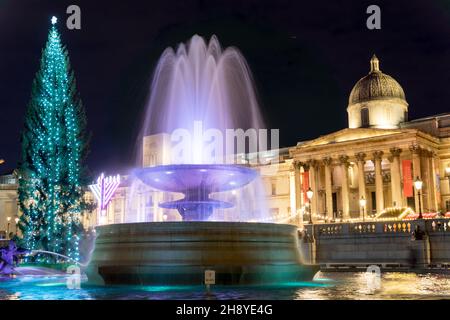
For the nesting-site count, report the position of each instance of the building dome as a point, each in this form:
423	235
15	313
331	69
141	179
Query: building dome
377	100
376	85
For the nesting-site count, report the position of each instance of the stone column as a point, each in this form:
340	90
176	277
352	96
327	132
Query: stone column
426	187
298	192
360	158
396	187
415	150
434	171
431	181
328	187
343	159
313	169
377	157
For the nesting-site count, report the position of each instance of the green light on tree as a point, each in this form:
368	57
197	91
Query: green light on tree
54	144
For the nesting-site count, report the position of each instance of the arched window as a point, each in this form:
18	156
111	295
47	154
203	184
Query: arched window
364	117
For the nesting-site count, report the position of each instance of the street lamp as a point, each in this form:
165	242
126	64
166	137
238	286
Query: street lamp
16	220
310	194
418	185
9	222
362	203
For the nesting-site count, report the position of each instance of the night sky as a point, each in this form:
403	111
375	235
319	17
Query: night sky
305	58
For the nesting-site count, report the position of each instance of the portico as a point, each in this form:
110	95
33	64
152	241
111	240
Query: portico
364	162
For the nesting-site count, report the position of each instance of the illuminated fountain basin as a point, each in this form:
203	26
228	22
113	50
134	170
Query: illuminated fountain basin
196	182
178	253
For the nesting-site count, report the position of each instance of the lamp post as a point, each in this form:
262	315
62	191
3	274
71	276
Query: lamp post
362	203
418	185
16	220
8	219
310	194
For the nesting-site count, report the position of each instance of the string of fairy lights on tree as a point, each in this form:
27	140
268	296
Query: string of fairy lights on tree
54	144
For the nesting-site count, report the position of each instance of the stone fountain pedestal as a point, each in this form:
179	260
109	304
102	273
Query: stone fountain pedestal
178	253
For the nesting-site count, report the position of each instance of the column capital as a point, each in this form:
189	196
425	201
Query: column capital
427	153
395	152
312	163
327	161
377	155
343	159
297	165
415	148
360	156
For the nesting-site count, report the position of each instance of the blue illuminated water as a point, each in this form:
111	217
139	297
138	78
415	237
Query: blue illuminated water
326	286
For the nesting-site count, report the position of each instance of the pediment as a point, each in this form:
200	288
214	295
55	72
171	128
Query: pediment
347	135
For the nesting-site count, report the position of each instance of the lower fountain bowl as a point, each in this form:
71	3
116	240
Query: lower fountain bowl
178	253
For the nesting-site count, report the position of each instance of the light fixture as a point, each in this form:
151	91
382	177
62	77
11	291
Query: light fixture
362	202
309	193
447	170
418	183
8	219
16	220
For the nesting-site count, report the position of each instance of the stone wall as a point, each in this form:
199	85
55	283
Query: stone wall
384	243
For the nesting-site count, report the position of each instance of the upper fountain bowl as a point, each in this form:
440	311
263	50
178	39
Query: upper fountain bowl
185	178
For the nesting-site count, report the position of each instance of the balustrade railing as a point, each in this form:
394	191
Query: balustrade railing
438	225
379	227
332	229
363	228
397	227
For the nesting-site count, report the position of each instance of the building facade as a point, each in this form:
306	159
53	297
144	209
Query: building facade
376	159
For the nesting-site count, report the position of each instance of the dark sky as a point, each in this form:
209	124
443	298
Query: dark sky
305	58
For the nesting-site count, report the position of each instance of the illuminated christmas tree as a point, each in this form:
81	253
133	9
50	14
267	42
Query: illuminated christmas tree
54	145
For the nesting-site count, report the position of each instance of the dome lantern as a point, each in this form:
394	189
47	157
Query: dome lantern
374	64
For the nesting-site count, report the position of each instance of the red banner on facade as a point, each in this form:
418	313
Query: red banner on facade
407	178
305	185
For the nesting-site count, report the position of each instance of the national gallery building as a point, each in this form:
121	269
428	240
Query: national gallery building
376	159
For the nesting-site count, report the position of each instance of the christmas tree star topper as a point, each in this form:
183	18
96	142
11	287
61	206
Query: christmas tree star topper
54	20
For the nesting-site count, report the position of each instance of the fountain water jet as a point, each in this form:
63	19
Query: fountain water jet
199	82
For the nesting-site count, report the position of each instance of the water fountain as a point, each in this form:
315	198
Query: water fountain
199	82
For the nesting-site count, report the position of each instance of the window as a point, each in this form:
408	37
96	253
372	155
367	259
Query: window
388	114
374	201
364	117
274	189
